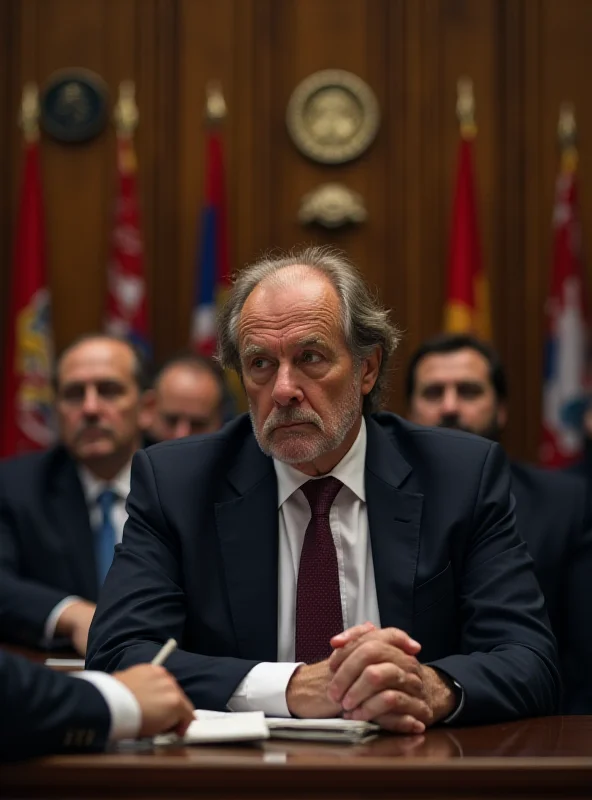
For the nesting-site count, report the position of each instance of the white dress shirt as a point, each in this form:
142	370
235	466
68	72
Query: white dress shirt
125	711
264	688
92	488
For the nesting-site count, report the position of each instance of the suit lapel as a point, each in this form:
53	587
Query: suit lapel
248	532
394	518
71	521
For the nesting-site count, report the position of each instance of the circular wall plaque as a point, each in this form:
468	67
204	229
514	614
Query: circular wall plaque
74	105
333	116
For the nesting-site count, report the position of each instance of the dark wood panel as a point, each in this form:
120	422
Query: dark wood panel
350	36
157	72
9	42
76	179
511	324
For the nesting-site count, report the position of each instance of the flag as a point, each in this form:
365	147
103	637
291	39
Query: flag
467	303
127	303
212	267
27	416
565	358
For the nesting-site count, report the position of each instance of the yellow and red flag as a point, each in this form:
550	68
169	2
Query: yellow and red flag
467	299
26	422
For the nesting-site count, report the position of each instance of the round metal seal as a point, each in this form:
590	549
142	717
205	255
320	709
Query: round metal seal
333	116
74	105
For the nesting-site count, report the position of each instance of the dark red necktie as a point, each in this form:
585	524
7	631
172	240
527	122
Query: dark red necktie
318	599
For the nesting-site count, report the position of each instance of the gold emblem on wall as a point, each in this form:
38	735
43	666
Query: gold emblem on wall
332	205
333	116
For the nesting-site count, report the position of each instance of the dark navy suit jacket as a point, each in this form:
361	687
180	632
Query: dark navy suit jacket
43	712
46	543
552	518
199	562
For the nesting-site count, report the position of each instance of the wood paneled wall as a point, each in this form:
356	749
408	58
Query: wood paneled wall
525	57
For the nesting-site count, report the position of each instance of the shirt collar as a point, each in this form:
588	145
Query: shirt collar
350	471
93	486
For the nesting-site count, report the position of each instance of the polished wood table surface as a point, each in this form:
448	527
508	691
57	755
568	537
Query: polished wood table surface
536	758
40	656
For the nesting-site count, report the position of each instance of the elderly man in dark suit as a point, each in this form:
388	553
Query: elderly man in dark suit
458	381
315	558
47	712
62	511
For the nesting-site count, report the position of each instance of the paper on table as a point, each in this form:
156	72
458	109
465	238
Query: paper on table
216	726
328	730
65	663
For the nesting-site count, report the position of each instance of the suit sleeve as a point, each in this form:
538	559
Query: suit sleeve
576	602
507	664
47	712
142	603
25	604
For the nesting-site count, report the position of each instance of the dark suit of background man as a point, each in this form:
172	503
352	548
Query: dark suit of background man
457	381
257	546
62	511
47	712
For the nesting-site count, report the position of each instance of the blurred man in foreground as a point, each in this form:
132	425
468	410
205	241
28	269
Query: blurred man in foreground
62	511
457	381
44	712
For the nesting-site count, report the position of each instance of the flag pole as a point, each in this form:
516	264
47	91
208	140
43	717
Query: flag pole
567	134
215	110
465	108
126	113
29	114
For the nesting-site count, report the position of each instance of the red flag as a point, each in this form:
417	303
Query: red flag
565	386
127	304
467	303
27	417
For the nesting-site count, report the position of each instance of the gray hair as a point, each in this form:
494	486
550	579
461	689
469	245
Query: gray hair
365	323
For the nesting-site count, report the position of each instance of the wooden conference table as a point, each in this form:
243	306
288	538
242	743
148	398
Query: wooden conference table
535	758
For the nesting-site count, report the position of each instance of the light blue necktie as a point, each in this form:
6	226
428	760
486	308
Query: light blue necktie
105	535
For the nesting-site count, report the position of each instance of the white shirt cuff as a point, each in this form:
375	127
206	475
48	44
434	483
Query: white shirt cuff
52	620
126	714
264	689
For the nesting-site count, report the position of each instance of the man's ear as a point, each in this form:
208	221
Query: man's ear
370	369
147	409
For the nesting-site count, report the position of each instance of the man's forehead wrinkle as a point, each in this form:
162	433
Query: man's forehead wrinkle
307	325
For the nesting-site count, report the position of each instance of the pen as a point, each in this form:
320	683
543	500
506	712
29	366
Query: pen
164	652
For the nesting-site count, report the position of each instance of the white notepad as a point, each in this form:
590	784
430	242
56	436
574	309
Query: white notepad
214	726
252	726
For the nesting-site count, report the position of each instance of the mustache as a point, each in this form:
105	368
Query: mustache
287	416
85	427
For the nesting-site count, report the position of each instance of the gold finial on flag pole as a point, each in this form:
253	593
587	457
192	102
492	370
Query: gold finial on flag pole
465	107
126	111
29	114
215	103
567	133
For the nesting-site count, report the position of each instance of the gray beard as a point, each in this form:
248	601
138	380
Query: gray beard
309	447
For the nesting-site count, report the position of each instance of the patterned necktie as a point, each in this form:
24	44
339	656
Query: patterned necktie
318	599
105	534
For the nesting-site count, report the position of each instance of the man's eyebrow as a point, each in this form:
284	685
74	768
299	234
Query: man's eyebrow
252	350
313	341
